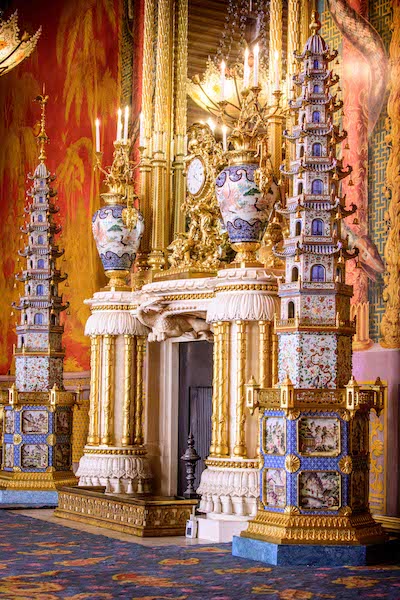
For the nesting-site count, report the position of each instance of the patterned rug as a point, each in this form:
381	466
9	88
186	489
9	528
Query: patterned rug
42	561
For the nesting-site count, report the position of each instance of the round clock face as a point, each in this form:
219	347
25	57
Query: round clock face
196	176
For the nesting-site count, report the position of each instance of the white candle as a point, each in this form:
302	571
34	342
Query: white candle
97	124
223	68
119	125
211	125
246	69
256	51
224	139
276	70
126	122
141	131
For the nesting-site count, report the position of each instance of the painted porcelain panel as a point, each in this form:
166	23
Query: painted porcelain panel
274	492
289	350
344	360
34	456
319	490
274	439
243	208
8	456
62	456
317	308
116	245
319	436
318	361
8	421
35	421
63	421
359	434
359	490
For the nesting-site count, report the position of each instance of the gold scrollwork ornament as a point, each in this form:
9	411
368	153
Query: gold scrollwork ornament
51	439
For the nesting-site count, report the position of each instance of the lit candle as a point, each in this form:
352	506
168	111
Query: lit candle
256	51
141	131
119	125
276	70
97	123
211	125
126	121
246	69
223	67
224	139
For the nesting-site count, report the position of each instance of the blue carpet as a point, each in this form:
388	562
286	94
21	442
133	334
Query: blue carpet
42	561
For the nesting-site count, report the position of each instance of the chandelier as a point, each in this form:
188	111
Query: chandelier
227	74
14	49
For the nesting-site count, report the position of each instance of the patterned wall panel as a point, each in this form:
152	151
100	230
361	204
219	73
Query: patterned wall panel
380	17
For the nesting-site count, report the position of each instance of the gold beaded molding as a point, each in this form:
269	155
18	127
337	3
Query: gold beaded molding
232	464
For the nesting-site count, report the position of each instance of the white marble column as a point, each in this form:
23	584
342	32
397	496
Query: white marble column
115	455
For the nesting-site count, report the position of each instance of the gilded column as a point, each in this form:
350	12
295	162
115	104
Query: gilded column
264	353
307	6
223	396
147	117
129	344
216	389
293	44
140	352
108	397
275	128
390	326
240	439
180	114
93	434
160	187
274	359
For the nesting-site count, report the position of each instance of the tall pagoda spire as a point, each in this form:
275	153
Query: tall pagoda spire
39	353
314	482
38	419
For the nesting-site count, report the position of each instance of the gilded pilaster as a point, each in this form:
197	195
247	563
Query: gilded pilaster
216	389
93	434
274	359
180	114
108	397
264	353
129	344
161	137
147	119
307	6
240	441
294	30
140	352
222	448
390	326
275	127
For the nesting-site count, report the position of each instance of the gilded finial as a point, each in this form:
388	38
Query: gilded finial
42	138
315	25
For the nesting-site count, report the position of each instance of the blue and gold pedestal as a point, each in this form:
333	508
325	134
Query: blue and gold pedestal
37	447
313	506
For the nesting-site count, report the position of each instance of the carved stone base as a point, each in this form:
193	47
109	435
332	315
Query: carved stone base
230	490
120	470
52	480
151	516
294	528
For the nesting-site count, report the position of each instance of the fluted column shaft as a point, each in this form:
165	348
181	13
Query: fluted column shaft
138	437
108	396
241	347
93	433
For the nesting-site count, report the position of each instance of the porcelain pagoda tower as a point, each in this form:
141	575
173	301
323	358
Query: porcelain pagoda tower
38	421
314	426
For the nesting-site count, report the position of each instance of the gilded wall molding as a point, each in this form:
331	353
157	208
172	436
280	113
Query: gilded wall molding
390	326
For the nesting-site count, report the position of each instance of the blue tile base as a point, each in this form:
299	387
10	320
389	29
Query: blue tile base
286	555
27	499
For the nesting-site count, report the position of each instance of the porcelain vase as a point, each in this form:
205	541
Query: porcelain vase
116	244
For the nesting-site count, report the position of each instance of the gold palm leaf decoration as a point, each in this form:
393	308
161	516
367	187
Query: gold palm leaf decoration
14	49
